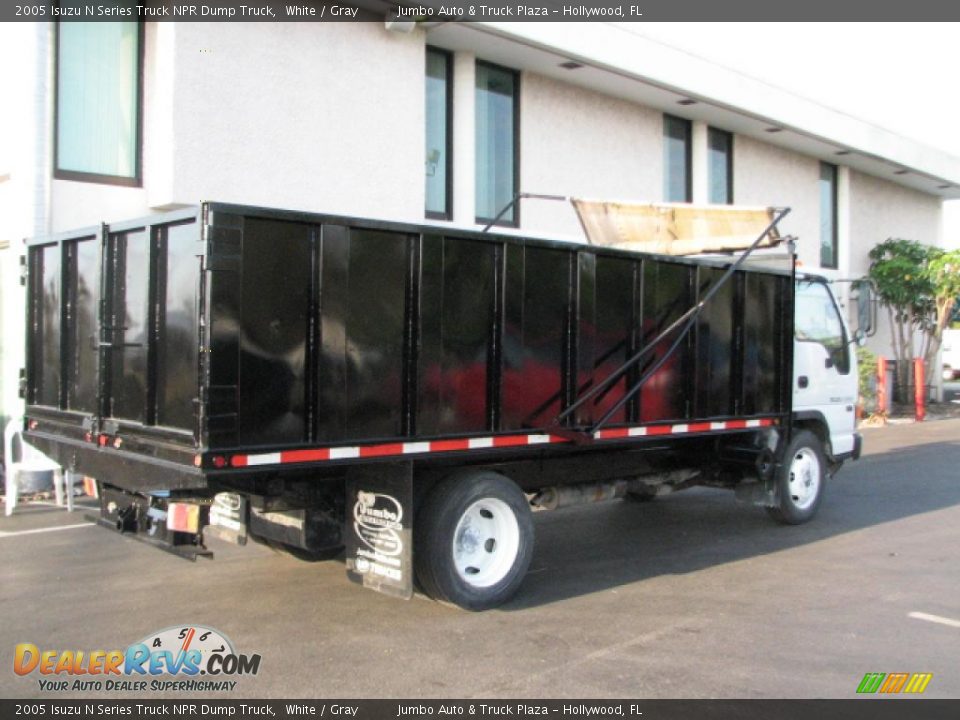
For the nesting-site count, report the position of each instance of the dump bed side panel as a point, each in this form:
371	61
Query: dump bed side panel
330	331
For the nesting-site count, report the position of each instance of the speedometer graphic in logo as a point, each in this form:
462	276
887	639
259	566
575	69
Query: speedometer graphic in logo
181	639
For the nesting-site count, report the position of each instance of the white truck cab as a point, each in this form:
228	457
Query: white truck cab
825	379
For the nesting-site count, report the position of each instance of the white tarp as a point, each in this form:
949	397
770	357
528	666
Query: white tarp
674	229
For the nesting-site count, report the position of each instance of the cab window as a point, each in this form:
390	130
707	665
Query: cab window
818	320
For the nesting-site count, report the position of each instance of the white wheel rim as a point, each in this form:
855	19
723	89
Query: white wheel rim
804	481
486	542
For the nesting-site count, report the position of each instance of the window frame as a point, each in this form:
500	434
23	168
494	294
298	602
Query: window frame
136	180
688	160
834	210
515	221
711	133
447	213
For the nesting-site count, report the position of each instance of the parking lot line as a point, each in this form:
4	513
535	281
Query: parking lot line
16	533
934	619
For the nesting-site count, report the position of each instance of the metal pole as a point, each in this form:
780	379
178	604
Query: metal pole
516	198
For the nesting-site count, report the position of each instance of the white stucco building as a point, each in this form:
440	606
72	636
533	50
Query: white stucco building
445	121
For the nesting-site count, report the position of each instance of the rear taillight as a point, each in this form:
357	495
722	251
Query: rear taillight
183	517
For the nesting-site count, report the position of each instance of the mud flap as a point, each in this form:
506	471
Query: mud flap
762	494
378	532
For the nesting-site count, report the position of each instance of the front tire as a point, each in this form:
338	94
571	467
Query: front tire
800	480
473	540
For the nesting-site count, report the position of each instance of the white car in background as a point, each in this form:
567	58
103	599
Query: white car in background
950	354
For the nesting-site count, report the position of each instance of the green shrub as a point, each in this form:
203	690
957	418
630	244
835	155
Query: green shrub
867	368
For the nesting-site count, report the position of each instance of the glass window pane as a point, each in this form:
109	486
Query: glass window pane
817	321
720	161
496	151
97	82
437	156
828	215
676	159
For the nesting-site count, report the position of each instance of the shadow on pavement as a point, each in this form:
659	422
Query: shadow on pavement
594	548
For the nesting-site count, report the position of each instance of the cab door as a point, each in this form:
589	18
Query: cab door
825	372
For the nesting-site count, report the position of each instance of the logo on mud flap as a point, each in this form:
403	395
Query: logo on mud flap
378	523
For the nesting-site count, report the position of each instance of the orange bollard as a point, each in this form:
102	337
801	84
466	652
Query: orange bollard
881	385
919	390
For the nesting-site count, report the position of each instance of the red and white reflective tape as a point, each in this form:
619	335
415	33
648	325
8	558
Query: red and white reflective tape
682	428
285	457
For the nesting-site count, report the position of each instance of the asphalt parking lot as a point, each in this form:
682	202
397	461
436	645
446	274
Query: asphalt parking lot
692	596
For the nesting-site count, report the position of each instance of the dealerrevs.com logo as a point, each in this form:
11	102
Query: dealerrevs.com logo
186	657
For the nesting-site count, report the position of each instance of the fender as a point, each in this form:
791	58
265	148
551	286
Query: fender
817	417
802	417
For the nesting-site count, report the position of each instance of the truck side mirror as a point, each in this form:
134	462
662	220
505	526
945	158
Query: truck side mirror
859	337
864	310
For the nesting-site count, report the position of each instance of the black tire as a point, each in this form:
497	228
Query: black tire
801	479
436	531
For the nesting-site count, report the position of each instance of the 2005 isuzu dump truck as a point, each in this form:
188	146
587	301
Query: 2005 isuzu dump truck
411	392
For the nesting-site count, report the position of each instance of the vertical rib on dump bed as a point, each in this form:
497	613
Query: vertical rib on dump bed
266	337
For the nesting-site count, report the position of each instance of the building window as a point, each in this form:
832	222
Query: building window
677	186
439	168
720	159
828	215
98	102
497	152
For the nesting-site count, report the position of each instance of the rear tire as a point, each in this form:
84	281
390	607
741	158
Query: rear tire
800	480
473	540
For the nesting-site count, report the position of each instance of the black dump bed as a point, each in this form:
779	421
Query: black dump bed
238	340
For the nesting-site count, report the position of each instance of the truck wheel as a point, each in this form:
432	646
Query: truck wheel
800	480
473	540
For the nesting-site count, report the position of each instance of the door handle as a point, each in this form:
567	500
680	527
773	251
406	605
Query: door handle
803	381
